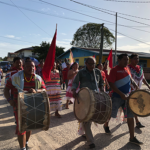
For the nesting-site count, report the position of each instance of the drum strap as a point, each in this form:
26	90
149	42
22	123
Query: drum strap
18	81
97	89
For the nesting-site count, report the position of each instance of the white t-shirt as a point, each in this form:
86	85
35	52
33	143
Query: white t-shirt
64	65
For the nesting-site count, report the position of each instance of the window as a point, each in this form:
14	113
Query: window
143	63
77	61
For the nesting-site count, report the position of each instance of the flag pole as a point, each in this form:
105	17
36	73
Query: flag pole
115	62
101	45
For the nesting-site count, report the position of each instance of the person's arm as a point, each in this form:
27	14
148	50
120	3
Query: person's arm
134	83
101	82
7	93
75	84
107	84
43	87
2	72
115	89
146	83
71	74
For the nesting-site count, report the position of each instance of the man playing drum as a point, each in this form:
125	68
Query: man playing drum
138	76
87	79
29	86
120	81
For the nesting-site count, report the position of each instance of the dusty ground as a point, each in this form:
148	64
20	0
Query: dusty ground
62	134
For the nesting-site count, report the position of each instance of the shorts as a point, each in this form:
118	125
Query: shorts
116	104
17	127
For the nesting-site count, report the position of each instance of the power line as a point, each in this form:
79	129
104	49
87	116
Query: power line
118	12
32	10
128	1
95	17
69	18
57	16
30	19
131	37
73	11
99	9
17	40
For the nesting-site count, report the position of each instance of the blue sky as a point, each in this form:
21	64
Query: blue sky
15	26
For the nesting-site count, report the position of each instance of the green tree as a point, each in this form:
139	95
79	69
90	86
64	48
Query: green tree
89	36
42	50
5	59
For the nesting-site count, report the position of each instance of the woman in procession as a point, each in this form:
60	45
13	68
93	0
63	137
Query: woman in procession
54	90
71	75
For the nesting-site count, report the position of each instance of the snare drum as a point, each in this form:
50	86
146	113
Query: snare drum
139	102
93	106
33	111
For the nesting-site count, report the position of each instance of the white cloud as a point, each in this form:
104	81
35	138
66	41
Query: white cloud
6	47
64	44
34	34
56	13
10	36
63	13
63	33
138	47
120	36
67	40
45	9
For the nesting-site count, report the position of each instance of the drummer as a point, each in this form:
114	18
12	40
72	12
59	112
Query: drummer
120	81
29	85
138	76
87	79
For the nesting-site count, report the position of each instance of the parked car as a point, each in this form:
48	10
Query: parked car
4	65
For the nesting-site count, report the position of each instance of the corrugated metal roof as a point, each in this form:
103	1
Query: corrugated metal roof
106	51
29	48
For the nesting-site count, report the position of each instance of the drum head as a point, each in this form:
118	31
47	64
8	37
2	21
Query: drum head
139	102
81	110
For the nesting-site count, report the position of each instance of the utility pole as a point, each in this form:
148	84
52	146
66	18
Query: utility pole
101	45
115	62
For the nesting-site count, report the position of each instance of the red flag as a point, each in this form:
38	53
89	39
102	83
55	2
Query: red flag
50	59
110	62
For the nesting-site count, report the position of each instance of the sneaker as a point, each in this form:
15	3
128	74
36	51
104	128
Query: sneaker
92	146
107	131
139	125
27	147
135	141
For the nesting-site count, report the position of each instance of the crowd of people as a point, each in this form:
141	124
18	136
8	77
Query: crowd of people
123	79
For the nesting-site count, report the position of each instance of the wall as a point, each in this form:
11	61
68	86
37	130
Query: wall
10	59
27	53
148	61
103	58
81	60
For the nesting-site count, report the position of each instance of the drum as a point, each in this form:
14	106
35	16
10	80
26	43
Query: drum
93	106
139	102
33	111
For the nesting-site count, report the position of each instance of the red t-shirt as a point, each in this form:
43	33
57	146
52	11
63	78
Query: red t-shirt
120	76
65	73
27	86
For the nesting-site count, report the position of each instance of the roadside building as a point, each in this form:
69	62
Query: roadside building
81	54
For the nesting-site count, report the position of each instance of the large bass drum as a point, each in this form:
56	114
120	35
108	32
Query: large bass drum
93	106
139	102
33	111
